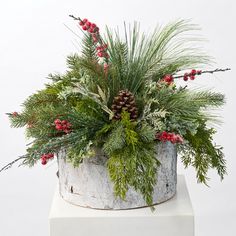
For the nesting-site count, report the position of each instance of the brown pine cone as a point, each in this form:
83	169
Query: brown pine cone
124	101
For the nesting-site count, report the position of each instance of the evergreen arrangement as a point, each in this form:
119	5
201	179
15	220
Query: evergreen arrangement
122	94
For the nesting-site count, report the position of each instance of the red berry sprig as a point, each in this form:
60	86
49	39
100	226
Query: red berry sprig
191	75
102	51
169	79
15	114
46	157
92	29
165	136
63	125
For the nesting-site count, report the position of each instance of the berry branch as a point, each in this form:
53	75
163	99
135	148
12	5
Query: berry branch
9	165
93	30
203	72
169	79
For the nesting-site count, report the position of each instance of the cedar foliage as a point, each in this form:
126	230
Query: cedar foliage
85	93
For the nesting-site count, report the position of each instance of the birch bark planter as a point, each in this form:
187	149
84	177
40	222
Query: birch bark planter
89	185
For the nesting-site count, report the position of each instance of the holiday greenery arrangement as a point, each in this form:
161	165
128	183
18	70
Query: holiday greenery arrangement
121	94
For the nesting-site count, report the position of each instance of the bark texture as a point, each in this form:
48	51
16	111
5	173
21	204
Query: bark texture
89	185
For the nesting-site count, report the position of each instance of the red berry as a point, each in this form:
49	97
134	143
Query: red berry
169	137
44	156
57	121
91	30
84	27
81	23
43	161
193	72
50	155
100	54
168	79
186	77
85	20
63	127
15	114
192	77
93	25
165	136
59	127
63	122
88	24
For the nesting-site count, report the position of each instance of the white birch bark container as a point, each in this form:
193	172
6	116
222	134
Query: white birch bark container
89	185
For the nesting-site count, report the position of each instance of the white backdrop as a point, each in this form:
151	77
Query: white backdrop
34	42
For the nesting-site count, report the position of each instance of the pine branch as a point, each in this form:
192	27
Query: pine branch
166	49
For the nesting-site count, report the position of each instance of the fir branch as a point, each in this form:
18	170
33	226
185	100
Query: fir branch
201	153
89	51
115	140
73	62
132	161
187	105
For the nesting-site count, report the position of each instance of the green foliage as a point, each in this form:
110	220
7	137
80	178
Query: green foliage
53	145
201	153
84	96
136	168
89	49
132	161
79	150
139	58
180	110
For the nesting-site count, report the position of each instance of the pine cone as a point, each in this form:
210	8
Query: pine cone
124	101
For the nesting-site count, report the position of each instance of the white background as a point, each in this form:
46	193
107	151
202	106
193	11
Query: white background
34	42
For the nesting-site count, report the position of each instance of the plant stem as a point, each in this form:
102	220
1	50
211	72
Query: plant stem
9	165
204	72
75	18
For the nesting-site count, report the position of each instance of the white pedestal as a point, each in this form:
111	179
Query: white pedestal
172	218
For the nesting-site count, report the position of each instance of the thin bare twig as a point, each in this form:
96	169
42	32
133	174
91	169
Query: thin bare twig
9	165
75	18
